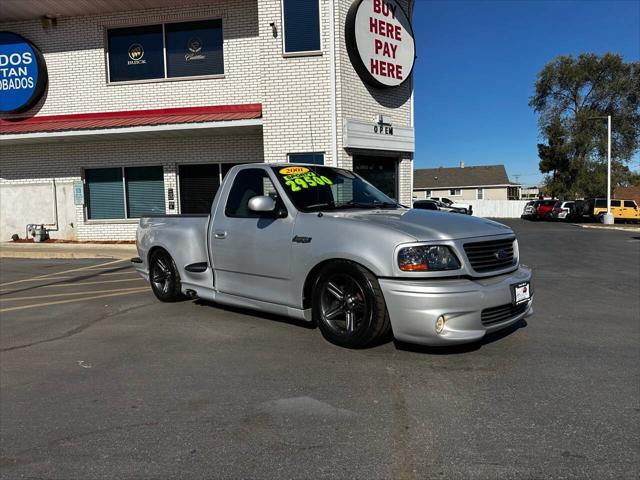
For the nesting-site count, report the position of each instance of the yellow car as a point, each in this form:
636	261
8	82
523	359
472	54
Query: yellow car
622	210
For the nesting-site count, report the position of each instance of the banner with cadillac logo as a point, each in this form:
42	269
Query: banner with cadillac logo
23	73
194	48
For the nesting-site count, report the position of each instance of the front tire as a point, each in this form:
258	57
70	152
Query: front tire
164	277
349	307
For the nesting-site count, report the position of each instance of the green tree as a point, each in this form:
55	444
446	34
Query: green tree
569	93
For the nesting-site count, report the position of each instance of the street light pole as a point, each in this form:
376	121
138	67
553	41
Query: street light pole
608	218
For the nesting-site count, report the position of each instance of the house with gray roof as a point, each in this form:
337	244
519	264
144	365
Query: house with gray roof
483	182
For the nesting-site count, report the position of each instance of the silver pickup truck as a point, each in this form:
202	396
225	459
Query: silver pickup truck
323	245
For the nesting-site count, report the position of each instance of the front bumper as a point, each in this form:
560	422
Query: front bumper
414	306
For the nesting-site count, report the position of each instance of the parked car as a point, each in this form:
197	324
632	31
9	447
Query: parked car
622	210
323	245
426	205
459	207
542	209
528	210
561	210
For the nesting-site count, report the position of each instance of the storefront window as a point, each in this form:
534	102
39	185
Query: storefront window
301	20
142	191
314	158
187	49
198	186
135	53
145	191
194	48
104	193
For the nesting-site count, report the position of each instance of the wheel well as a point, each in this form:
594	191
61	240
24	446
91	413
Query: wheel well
152	251
311	277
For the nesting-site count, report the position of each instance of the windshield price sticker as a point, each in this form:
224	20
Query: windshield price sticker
297	178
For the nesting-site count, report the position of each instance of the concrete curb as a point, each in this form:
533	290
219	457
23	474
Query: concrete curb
610	227
66	250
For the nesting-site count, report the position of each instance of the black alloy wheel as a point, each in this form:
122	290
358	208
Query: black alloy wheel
164	277
348	306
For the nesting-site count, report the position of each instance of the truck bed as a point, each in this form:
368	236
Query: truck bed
183	236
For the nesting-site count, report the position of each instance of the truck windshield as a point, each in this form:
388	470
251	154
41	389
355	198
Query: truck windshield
313	188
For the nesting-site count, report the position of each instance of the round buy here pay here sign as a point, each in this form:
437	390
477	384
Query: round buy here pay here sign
23	73
380	42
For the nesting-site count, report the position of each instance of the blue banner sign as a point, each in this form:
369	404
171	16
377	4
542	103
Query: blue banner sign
23	73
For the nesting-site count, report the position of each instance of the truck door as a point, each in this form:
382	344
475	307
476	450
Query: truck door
252	252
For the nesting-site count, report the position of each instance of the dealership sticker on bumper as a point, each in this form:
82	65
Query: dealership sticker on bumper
521	293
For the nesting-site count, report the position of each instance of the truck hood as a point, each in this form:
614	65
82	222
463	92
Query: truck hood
427	225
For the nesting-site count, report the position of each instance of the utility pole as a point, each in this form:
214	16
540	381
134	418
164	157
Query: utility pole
608	218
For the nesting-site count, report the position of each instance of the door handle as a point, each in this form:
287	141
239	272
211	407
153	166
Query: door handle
220	234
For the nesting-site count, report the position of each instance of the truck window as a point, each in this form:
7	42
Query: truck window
629	204
248	183
615	203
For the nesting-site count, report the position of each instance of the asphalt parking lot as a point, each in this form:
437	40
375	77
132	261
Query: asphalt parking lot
100	380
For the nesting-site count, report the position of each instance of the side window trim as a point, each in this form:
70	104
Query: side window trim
264	175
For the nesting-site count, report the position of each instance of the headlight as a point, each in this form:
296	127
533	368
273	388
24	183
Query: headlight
427	258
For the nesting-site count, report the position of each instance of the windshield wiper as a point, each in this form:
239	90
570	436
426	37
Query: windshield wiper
374	204
321	205
386	204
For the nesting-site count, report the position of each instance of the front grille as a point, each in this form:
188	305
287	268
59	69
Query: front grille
492	315
484	256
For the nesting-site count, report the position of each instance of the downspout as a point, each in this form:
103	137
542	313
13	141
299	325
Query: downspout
411	5
333	83
55	207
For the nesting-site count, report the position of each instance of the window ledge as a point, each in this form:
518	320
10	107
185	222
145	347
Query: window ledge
171	79
110	221
313	53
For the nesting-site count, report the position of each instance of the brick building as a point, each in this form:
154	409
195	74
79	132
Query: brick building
145	110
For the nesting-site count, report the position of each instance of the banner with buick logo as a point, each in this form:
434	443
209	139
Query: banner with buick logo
135	53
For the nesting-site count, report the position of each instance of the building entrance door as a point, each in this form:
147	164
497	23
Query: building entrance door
198	186
381	172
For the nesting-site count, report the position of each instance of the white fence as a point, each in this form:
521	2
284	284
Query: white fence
496	208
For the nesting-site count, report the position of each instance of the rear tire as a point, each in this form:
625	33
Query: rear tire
349	307
164	277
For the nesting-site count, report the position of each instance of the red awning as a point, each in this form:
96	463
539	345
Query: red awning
135	118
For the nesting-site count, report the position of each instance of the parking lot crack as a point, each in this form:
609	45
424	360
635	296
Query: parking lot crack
76	330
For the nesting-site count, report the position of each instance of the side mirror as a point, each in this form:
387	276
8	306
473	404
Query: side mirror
262	204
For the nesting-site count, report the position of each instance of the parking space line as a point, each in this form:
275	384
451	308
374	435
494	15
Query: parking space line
73	284
74	300
52	295
38	279
47	275
128	272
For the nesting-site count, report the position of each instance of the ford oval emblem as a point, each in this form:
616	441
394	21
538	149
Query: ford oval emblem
501	254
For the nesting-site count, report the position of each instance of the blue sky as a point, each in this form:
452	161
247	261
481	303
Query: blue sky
477	64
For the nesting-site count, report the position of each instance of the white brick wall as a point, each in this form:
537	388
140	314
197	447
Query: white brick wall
65	161
76	62
295	93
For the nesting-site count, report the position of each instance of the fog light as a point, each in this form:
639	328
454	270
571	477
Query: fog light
440	324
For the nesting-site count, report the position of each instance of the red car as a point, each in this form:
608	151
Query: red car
542	209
